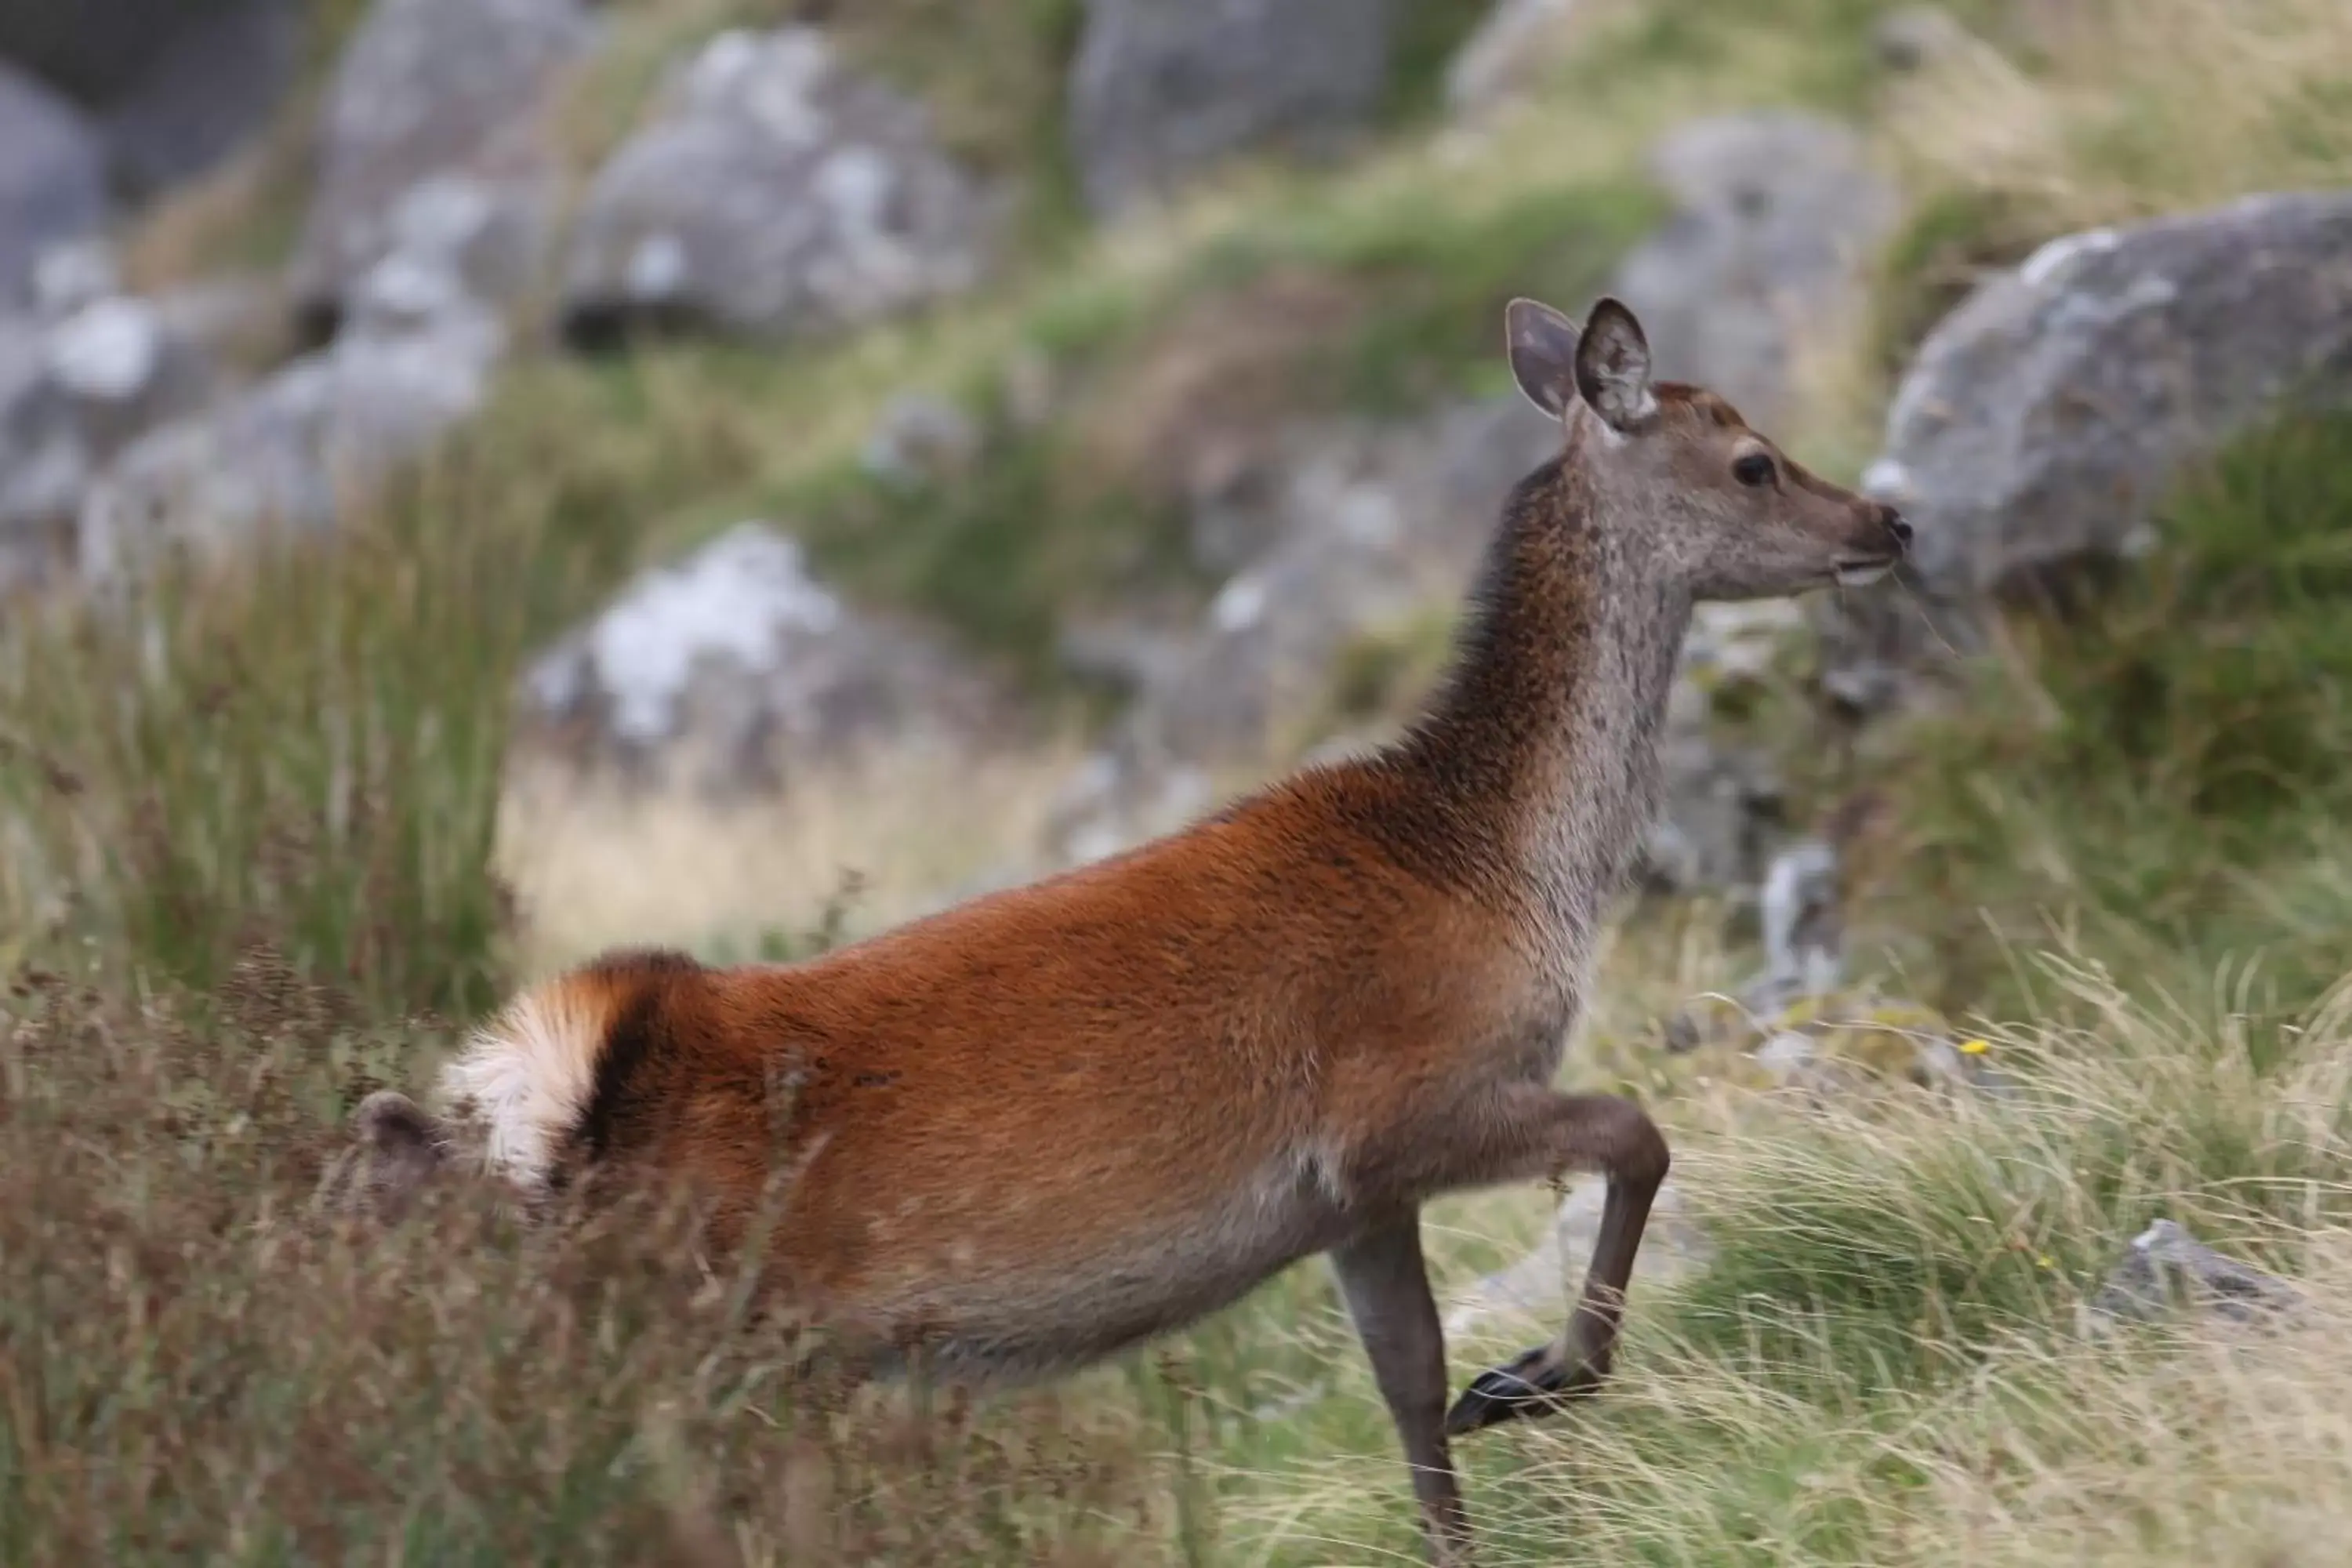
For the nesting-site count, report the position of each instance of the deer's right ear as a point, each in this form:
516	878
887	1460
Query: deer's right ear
1542	345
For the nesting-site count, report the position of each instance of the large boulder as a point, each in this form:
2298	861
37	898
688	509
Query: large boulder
1162	89
2043	419
739	667
52	179
79	381
206	83
1776	216
772	193
434	139
298	448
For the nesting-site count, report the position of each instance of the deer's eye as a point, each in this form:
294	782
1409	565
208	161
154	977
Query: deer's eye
1755	469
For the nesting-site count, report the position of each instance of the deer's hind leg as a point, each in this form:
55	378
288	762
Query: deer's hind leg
1386	1284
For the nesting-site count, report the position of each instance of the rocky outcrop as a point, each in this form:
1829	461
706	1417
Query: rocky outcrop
81	377
1365	525
1163	89
297	450
772	193
2044	418
52	179
212	80
171	86
432	140
1776	215
737	664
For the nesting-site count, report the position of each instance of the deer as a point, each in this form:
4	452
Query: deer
1065	1117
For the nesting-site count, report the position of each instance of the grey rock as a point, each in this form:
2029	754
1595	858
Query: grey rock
1787	1054
212	80
295	450
1719	804
1111	800
1363	524
432	140
1720	812
775	194
2166	1268
1776	215
44	467
52	178
737	663
1540	1286
76	388
1804	948
95	51
70	275
1164	90
2046	415
1506	53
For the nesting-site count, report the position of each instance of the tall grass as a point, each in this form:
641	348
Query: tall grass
307	752
197	1365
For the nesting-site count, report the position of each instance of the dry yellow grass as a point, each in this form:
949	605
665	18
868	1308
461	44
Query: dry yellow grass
594	866
2143	107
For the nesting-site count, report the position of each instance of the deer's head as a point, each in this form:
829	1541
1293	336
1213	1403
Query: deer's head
1721	510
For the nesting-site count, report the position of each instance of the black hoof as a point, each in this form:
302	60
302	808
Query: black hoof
1535	1384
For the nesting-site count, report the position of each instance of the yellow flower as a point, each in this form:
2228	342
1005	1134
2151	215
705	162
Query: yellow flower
2043	1261
1975	1048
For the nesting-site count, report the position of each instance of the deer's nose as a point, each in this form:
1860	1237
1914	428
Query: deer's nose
1894	525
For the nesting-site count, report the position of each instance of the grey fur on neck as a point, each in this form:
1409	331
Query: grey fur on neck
1540	756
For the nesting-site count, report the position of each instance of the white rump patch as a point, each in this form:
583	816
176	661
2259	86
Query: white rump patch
525	1078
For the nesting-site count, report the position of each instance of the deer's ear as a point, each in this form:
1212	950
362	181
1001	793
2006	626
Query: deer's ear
1612	366
1542	346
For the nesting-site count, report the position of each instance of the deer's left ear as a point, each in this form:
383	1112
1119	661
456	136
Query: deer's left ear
1542	344
1612	366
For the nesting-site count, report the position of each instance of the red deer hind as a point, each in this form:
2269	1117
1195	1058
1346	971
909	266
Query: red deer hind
1059	1120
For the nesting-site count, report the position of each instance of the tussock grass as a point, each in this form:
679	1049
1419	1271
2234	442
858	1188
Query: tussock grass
1883	1361
308	754
195	1363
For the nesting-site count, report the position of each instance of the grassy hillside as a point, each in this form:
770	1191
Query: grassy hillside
251	866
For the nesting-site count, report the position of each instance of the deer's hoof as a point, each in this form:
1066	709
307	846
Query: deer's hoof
1535	1384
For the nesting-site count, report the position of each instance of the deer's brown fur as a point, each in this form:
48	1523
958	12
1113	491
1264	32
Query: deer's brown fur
1064	1117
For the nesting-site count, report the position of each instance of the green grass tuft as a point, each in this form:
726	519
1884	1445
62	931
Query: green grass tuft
2160	770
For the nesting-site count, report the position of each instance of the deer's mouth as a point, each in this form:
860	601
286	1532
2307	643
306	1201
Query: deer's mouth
1862	570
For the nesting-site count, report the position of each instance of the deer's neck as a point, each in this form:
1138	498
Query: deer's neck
1540	761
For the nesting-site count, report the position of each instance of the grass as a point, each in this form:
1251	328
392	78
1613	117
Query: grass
260	835
2158	775
195	1362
